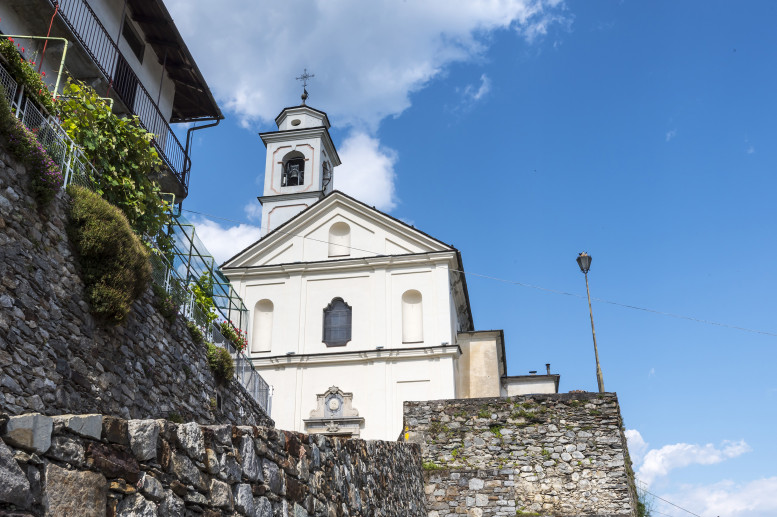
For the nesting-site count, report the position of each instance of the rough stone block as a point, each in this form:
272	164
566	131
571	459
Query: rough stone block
143	435
171	505
112	462
190	439
89	426
152	488
31	432
136	506
183	469
220	494
68	492
14	485
244	500
115	430
252	464
64	448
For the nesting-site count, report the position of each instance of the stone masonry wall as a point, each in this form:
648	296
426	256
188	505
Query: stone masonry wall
55	359
95	466
558	455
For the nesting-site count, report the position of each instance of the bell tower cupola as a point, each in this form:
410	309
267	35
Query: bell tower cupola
300	163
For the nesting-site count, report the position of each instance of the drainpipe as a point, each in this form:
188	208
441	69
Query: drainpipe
188	164
61	63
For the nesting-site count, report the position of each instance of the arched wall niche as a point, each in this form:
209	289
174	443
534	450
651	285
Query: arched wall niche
412	317
261	337
339	240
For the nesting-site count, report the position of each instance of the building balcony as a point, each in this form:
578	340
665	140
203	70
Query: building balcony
131	52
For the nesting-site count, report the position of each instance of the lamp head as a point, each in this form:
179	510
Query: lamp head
584	261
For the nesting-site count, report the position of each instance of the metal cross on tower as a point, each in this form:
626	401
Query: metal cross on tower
304	78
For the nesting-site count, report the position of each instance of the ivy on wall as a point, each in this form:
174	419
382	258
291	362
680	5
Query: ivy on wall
121	150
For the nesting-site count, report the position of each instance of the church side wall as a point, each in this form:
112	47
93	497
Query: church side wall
97	466
561	454
56	358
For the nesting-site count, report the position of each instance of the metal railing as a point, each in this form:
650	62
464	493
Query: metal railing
60	147
100	46
171	279
9	85
245	372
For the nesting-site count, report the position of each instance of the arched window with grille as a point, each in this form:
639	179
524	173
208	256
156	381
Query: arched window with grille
412	317
339	240
337	323
261	335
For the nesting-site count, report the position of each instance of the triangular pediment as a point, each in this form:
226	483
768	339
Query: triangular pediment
337	227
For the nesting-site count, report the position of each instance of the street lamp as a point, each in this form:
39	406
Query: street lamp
584	261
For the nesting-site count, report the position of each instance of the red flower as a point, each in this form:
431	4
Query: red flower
22	49
10	39
43	74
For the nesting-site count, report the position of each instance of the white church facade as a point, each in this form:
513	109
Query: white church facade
353	312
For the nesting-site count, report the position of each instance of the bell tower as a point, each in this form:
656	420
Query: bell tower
300	162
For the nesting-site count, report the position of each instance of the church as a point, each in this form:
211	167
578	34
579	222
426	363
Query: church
351	311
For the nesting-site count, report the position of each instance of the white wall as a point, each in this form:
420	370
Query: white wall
379	385
374	295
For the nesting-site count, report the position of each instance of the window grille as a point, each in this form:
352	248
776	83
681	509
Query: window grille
337	323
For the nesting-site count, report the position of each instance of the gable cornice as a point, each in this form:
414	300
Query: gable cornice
294	225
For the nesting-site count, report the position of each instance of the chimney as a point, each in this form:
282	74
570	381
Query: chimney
547	367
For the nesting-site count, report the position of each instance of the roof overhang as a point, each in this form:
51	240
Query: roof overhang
193	99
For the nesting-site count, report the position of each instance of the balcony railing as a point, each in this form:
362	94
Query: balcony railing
95	40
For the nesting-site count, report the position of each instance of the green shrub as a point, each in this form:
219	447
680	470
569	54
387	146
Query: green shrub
175	418
164	303
195	332
202	290
114	262
220	362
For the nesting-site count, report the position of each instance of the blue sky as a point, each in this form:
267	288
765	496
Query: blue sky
524	133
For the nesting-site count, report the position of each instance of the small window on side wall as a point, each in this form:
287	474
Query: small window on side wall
339	240
134	40
337	323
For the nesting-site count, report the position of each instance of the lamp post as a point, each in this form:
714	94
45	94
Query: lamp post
584	261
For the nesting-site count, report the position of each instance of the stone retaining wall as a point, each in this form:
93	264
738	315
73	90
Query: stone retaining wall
90	465
54	357
555	455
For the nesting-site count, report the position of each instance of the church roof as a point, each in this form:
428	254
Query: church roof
302	107
283	229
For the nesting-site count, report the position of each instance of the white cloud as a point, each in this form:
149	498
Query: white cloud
671	134
222	242
658	462
637	445
750	149
368	57
473	94
367	171
253	211
748	499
